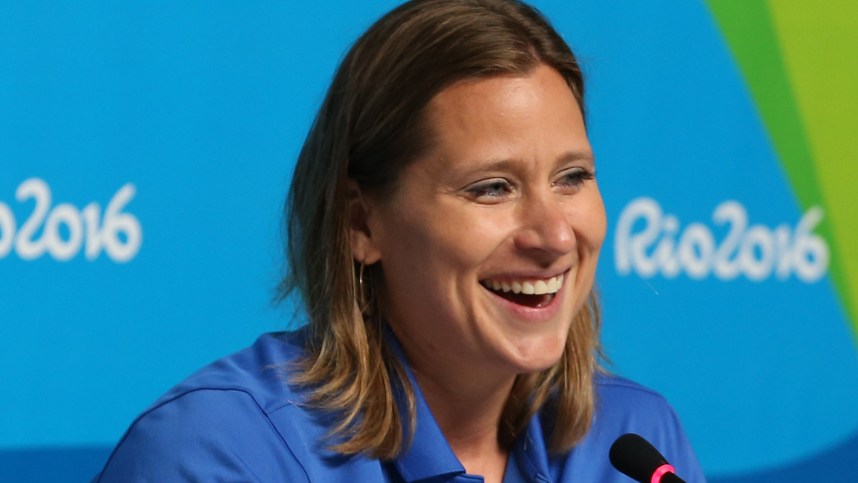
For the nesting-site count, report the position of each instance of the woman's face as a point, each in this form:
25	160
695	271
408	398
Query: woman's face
489	245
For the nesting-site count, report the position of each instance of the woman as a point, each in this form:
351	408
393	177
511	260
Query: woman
444	228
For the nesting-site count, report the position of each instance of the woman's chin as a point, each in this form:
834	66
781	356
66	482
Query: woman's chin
536	358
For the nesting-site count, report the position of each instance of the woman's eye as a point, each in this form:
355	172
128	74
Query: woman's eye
490	190
574	178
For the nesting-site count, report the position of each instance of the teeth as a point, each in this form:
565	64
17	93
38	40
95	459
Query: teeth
527	287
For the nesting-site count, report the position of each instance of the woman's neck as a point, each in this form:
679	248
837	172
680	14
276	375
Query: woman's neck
468	411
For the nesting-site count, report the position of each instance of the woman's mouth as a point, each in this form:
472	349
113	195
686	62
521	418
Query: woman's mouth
534	293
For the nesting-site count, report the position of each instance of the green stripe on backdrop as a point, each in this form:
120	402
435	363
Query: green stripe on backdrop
819	42
755	41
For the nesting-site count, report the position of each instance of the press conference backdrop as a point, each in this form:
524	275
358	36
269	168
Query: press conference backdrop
146	148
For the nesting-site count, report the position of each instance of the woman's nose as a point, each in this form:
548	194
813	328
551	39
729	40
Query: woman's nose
545	227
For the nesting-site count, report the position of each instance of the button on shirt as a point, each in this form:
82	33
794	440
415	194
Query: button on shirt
239	420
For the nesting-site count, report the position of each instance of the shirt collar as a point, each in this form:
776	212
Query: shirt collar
530	453
428	455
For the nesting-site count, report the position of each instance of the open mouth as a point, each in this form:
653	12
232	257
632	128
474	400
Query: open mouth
529	293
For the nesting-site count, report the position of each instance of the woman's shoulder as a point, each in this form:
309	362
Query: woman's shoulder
616	393
225	422
260	371
624	406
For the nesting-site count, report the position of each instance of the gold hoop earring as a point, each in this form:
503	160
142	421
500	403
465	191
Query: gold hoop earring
360	280
363	299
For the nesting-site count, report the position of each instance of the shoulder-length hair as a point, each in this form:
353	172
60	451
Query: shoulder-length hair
368	128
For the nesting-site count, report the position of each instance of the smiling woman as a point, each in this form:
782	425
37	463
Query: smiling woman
494	200
444	230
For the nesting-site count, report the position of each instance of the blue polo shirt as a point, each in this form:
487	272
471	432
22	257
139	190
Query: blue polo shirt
237	420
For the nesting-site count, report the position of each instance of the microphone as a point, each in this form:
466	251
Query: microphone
636	458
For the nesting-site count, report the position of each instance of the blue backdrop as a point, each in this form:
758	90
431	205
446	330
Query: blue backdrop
146	149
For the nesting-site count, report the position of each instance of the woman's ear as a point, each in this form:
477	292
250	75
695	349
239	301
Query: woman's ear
358	211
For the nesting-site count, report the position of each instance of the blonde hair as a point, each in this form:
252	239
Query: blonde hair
368	128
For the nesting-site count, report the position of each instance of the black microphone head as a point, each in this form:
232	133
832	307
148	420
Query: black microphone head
635	457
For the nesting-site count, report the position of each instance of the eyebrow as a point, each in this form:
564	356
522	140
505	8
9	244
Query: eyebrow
571	156
508	164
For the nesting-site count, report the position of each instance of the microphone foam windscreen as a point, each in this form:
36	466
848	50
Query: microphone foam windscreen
635	457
